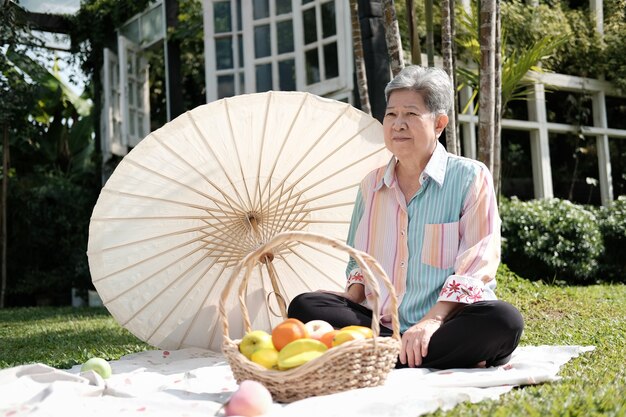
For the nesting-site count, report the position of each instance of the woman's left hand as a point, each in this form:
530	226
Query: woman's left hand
415	341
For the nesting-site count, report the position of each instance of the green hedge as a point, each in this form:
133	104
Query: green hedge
551	239
612	224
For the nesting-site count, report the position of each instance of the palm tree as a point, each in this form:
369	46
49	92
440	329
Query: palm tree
510	76
447	11
357	43
487	97
392	36
416	50
430	37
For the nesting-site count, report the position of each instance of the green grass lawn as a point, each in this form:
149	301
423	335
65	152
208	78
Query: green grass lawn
593	384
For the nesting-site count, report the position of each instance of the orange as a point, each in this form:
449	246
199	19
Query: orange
288	331
327	338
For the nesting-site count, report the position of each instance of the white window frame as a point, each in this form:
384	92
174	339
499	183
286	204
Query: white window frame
111	118
135	114
341	84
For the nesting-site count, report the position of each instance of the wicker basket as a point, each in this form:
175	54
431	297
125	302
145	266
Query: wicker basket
355	364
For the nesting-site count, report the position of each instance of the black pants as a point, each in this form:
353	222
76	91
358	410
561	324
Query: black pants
484	331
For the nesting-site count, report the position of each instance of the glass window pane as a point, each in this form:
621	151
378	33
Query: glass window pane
261	9
221	16
331	61
223	53
312	67
242	82
225	86
284	33
241	54
328	19
131	125
306	1
287	75
152	27
263	77
131	93
283	6
238	14
310	27
131	31
262	45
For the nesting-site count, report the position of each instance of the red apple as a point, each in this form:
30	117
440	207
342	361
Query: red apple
317	328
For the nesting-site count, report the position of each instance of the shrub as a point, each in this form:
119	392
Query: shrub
612	224
550	239
48	219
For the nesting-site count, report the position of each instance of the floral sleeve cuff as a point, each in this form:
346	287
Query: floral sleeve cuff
460	289
355	277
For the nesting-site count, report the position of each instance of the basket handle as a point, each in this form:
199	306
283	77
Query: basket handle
364	260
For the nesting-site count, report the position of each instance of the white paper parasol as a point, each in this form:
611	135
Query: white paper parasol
196	196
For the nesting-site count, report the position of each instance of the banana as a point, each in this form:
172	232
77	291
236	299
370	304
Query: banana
298	359
300	351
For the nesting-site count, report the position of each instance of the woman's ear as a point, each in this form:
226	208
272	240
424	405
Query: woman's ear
441	121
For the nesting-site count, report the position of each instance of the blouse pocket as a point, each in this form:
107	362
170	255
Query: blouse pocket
440	245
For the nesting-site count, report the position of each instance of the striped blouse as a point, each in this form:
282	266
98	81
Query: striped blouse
444	245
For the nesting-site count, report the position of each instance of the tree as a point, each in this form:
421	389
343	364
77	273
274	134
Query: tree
359	58
447	41
16	94
392	37
511	66
487	97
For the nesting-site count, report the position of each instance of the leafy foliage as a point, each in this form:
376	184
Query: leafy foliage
517	60
550	239
48	223
583	52
612	224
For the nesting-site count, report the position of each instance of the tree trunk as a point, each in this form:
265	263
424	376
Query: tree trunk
486	111
176	105
359	59
430	37
392	37
3	223
497	130
446	49
416	50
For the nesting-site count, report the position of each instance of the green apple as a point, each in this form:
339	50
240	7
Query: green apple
255	340
99	366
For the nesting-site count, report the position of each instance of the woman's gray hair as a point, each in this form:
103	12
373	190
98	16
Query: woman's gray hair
432	83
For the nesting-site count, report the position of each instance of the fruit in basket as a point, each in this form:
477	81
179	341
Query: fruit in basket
298	359
266	357
317	328
299	352
288	331
251	399
99	366
367	332
253	341
327	338
347	335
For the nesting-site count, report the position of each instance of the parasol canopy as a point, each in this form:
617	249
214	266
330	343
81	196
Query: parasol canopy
196	196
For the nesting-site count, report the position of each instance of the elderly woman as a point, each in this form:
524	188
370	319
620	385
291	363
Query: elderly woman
431	220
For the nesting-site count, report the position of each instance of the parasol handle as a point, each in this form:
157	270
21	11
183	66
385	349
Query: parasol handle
364	260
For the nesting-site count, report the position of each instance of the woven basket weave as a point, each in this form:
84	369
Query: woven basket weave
355	364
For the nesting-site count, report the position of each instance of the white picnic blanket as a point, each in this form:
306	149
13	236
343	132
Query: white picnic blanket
196	382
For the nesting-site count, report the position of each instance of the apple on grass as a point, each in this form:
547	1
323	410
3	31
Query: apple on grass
317	328
99	366
250	400
255	340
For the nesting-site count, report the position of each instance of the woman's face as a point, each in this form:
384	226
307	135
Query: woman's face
410	130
